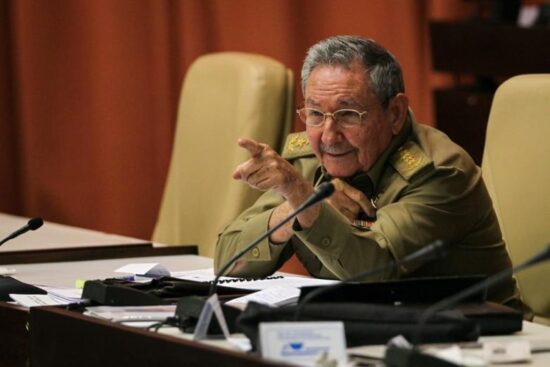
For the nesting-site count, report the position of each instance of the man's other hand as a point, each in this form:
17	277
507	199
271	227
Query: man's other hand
350	201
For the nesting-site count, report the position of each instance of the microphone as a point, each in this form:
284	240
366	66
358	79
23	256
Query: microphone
323	191
31	225
433	251
193	308
396	356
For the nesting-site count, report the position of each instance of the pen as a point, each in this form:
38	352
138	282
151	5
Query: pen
129	278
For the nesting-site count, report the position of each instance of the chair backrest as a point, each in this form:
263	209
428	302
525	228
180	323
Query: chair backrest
516	169
224	96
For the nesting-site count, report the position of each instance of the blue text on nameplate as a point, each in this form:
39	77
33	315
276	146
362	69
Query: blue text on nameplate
304	343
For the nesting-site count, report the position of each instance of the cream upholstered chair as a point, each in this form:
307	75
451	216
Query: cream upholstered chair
224	96
516	169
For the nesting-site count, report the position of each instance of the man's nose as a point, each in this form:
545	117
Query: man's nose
331	130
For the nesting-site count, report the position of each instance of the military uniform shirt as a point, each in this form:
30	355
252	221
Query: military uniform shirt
425	188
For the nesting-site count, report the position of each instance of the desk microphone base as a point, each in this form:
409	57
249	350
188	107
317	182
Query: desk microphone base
403	357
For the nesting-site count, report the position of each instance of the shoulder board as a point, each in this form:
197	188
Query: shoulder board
409	159
297	146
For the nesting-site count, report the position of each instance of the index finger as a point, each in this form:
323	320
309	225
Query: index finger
253	147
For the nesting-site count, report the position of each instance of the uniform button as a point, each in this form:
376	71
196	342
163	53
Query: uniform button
255	252
325	241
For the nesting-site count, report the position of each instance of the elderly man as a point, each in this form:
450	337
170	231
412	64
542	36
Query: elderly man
400	185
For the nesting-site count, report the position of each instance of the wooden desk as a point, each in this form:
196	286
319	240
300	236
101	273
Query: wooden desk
61	338
55	236
57	242
537	335
64	274
57	255
94	253
14	336
64	338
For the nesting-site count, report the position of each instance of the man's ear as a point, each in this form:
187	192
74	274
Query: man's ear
397	109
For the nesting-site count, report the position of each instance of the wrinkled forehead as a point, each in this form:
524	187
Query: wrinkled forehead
345	86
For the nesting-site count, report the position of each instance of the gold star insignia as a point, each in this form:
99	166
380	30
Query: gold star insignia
410	160
297	143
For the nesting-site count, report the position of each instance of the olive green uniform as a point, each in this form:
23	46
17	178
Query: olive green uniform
424	187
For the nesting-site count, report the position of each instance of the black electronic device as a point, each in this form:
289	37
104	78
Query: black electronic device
433	251
101	293
10	285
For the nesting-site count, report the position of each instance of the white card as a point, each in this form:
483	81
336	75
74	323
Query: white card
507	351
304	343
211	307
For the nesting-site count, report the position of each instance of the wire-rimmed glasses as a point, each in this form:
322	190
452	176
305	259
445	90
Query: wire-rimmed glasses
344	117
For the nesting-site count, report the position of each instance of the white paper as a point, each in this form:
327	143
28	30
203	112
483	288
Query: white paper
154	270
241	343
32	300
70	295
7	271
274	296
207	275
132	313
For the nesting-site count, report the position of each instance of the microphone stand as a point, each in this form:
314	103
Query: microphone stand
324	190
31	225
188	306
435	250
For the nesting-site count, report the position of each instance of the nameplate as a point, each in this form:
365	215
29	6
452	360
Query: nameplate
304	343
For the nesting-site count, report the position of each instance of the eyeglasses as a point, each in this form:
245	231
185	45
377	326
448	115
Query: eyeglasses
345	118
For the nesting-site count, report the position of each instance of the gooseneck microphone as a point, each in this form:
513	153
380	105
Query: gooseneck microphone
323	191
433	251
31	225
492	280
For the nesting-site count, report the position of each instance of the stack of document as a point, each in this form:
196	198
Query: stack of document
207	275
276	290
55	297
132	313
274	296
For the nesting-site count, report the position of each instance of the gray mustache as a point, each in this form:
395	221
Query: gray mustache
335	148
